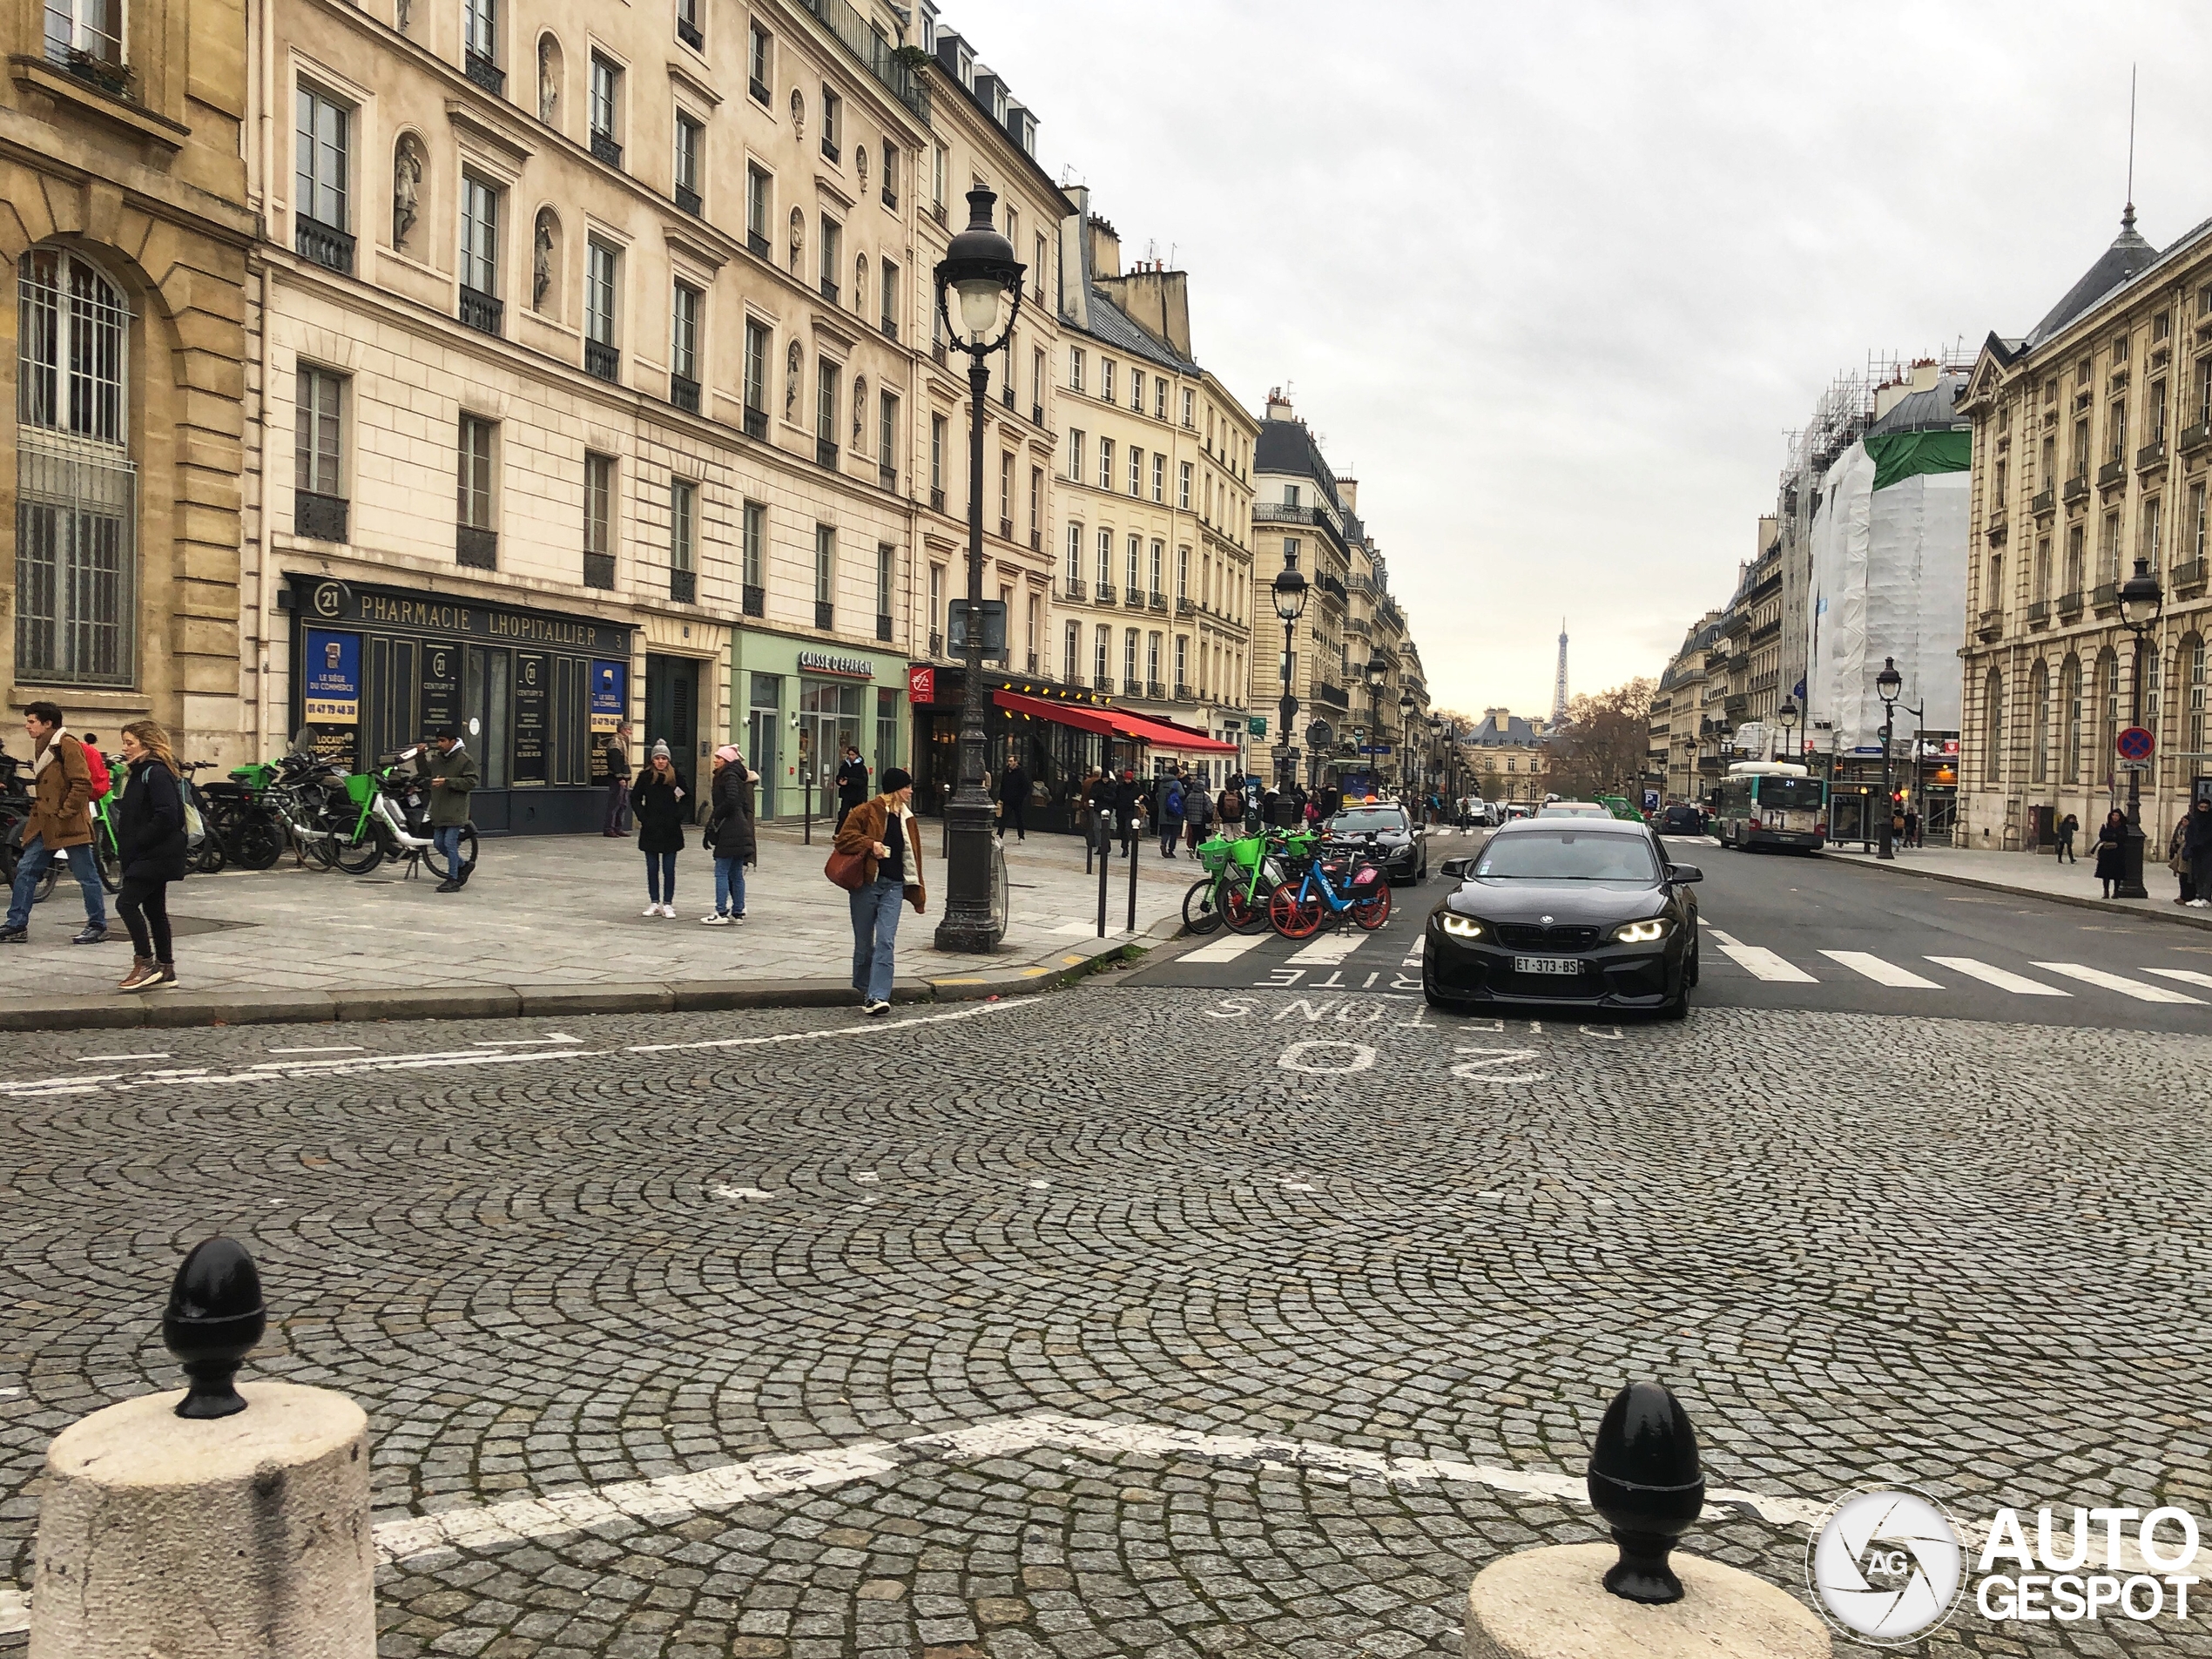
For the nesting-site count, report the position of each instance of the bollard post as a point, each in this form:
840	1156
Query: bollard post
807	795
218	1523
1105	863
1134	847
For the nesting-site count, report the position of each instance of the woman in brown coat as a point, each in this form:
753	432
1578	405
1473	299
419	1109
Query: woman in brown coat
882	832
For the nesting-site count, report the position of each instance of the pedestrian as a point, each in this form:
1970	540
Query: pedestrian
1014	800
1170	817
882	832
618	822
656	799
2197	847
1129	809
1099	790
852	782
60	823
729	834
452	772
2069	827
150	843
1197	811
95	762
2112	850
1912	826
2177	858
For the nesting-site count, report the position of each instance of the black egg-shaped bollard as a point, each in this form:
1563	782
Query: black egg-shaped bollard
215	1317
1646	1480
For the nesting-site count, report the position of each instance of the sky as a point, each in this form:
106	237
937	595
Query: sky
1554	281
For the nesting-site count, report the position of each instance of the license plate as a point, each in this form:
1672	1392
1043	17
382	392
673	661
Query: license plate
1568	966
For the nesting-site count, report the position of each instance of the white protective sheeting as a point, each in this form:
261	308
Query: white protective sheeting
1889	579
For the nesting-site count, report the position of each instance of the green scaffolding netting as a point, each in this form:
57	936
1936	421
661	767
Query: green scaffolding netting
1900	455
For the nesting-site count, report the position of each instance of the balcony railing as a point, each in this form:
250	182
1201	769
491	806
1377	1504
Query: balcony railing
1133	599
605	147
2038	613
2195	436
1183	608
2046	499
1159	600
1105	593
1036	414
690	34
757	88
688	201
684	586
829	290
2114	471
601	361
937	353
1031	661
485	73
1006	529
2077	488
936	643
887	475
825	615
1989	624
936	500
829	151
825	453
2190	574
1102	683
2151	454
890	327
937	212
1737	703
326	245
1157	691
1334	695
757	245
320	518
2107	593
1036	540
890	198
1071	589
482	312
1182	693
599	571
1997	529
755	599
478	548
1006	395
883	629
756	423
684	392
2070	603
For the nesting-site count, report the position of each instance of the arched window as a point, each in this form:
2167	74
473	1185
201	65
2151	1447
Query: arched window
2071	712
76	507
2038	705
2107	713
1993	764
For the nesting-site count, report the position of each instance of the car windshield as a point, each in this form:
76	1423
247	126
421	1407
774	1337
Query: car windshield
1359	820
1566	855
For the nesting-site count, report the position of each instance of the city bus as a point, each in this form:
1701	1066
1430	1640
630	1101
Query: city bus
1771	803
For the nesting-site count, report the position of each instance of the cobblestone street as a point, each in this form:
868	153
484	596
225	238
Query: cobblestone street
1209	1325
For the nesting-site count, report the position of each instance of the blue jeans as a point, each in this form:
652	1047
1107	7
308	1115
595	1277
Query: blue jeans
729	886
876	933
36	855
447	839
660	877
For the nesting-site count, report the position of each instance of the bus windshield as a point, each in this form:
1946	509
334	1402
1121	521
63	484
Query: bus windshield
1790	794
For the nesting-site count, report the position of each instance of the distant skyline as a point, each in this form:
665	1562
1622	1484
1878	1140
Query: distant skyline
1555	302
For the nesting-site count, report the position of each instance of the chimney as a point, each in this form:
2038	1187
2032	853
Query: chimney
1156	301
1278	406
1105	248
1074	263
1348	492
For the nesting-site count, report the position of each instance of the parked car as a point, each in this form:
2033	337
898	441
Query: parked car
1404	852
1682	819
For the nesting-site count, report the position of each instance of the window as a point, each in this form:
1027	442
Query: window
1075	369
756	376
832	240
890	184
683	342
1076	455
757	210
2155	413
1106	378
1130	565
2050	479
1128	658
606	86
936	606
318	501
1036	506
324	131
479	236
2042	569
937	178
1006	490
758	47
683	518
1157	568
689	24
1071	654
1182	485
2153	547
1105	463
1135	470
937	460
2108	714
1106	560
1992	762
598	521
2193	666
890	299
2085	371
477	542
92	27
2116	429
2192	533
755	547
825	566
1136	389
1182	573
2074	572
599	310
480	28
832	122
1159	476
1151	659
2081	448
826	376
1182	661
1102	662
1075	554
887	435
2038	703
2203	389
2108	550
885	564
1292	495
1036	383
689	139
1188	404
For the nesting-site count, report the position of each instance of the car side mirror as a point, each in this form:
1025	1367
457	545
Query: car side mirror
1683	874
1457	869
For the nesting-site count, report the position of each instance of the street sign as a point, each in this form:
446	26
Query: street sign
992	616
2135	743
2135	766
1257	725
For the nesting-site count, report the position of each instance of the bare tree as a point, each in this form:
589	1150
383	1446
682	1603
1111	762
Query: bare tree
1602	749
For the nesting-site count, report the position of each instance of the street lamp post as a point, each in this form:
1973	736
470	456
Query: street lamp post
1887	685
1377	671
980	272
1786	718
2140	600
1290	590
1408	781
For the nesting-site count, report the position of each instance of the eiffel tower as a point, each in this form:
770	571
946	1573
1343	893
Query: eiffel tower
1559	683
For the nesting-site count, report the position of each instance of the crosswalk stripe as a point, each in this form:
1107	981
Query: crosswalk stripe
2135	988
2187	975
1332	949
1225	949
1880	972
2018	984
1760	962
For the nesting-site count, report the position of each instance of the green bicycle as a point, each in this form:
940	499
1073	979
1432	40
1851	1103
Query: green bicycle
1242	872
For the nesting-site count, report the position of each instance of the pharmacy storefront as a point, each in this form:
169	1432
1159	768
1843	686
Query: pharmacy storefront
796	704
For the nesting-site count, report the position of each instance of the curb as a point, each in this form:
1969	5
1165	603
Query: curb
540	1001
2134	907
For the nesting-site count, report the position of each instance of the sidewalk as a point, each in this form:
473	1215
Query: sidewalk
2035	875
551	925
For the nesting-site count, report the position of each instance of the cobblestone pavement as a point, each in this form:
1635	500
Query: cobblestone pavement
1861	1248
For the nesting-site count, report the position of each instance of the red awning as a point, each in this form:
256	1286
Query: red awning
1113	722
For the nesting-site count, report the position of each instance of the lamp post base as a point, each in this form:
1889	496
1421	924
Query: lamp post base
2130	885
968	926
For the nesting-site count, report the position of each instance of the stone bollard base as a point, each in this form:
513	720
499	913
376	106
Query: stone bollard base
243	1538
1551	1604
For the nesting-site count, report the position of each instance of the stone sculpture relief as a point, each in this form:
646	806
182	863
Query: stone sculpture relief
548	80
791	383
407	186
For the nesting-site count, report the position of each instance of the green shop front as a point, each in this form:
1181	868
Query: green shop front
532	692
795	704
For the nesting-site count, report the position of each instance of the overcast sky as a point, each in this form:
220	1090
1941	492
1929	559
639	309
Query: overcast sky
1555	281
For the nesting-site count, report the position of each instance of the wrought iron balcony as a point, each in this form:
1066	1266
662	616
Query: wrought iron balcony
684	586
883	629
887	475
2070	604
937	353
2190	574
1072	590
1105	593
1006	395
1006	529
326	245
1159	600
825	615
757	88
1997	530
1334	695
1183	693
755	600
2038	613
482	312
1133	599
690	34
485	73
936	500
829	150
599	571
757	245
684	392
756	423
1104	684
2114	471
825	453
2107	593
936	643
688	201
1990	624
937	212
890	327
1157	691
2077	489
2195	436
1036	414
890	198
605	147
320	518
478	548
1183	608
2151	454
2046	499
1036	540
829	290
1031	661
601	361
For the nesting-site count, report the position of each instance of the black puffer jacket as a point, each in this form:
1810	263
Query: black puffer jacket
150	824
658	803
729	828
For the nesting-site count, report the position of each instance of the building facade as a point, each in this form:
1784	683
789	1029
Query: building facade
1300	520
2092	437
125	230
1506	755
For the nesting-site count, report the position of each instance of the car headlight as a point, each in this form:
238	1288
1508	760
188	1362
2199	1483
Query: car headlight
1641	932
1462	927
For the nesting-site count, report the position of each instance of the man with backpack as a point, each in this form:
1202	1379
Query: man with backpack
60	821
1169	816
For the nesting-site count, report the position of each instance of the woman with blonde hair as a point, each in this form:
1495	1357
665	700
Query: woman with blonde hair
150	841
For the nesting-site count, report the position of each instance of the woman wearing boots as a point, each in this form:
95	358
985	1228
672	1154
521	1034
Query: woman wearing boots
2112	851
150	839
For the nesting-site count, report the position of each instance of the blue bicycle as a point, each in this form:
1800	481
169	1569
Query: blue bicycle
1298	908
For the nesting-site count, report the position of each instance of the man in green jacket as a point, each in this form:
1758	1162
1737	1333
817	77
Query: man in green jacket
451	772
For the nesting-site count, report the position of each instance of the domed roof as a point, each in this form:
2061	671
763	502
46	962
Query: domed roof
2127	258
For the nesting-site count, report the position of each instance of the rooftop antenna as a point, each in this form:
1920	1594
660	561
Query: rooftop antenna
2130	212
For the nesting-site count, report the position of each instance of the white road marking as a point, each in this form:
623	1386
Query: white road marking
1758	961
1332	949
678	1496
2135	988
335	1048
1226	949
2018	984
1880	972
522	1043
15	1610
2187	975
741	1192
88	1059
862	1029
